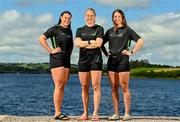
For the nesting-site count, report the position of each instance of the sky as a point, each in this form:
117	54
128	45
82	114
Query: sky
23	21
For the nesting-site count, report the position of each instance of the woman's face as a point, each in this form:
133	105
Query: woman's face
90	17
117	18
65	19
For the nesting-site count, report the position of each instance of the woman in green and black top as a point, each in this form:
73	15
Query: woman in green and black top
62	43
119	38
89	40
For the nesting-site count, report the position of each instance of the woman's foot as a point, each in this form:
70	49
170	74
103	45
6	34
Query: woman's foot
126	117
83	117
114	117
61	116
95	118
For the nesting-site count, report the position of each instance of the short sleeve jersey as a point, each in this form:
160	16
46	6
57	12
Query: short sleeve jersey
119	40
60	37
90	56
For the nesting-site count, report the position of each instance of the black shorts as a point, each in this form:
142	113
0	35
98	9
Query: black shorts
120	65
89	67
59	60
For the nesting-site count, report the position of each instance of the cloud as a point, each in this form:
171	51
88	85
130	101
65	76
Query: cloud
124	3
161	35
44	19
19	36
102	21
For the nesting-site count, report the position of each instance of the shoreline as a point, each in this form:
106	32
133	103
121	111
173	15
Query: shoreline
170	78
13	118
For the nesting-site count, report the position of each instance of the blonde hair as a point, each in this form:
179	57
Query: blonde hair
91	9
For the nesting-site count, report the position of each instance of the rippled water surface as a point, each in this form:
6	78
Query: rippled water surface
31	94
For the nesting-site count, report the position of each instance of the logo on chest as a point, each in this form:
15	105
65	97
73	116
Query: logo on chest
89	34
119	35
116	35
64	34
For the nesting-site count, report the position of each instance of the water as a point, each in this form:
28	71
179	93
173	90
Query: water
31	94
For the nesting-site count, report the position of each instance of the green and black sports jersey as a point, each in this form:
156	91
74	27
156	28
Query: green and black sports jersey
119	40
90	56
60	37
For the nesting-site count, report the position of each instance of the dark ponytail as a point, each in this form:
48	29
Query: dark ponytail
64	12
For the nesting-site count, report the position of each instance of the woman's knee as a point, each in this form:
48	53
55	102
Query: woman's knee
96	86
114	88
60	86
125	88
85	87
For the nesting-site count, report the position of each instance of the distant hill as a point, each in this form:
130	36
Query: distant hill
140	68
31	68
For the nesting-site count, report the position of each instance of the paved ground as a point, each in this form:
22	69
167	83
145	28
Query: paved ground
9	118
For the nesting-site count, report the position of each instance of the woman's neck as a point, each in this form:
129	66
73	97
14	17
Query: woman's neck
119	25
90	25
64	26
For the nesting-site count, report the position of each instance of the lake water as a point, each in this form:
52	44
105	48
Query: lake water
31	94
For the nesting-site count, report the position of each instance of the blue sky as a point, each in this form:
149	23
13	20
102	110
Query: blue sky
23	21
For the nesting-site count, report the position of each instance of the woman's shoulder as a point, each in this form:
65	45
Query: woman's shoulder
128	27
98	26
110	29
82	27
51	28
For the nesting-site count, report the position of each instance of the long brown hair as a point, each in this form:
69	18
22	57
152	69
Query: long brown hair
124	23
64	12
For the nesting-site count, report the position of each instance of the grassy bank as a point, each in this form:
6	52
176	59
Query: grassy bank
156	72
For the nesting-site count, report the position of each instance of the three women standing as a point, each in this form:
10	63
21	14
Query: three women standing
89	39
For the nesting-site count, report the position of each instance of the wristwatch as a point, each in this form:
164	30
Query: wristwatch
132	52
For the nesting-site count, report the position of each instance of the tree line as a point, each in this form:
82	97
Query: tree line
136	65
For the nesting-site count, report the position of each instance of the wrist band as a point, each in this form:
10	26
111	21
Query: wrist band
89	42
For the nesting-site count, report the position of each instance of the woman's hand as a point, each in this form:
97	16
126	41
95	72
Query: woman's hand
126	52
109	54
56	50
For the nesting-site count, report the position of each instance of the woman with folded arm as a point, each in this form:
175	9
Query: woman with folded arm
89	40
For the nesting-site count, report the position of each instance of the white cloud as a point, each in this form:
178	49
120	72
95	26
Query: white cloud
161	35
124	3
101	21
44	19
10	16
19	36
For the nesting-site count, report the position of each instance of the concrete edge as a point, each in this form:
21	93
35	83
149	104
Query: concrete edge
3	117
156	117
